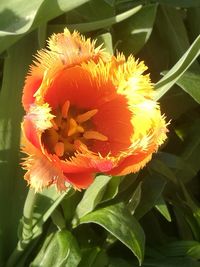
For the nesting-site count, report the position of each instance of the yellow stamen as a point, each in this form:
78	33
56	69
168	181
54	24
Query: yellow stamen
95	135
86	116
59	149
80	129
72	127
65	109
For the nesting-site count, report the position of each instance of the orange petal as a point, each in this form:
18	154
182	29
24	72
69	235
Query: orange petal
33	82
132	163
80	180
30	133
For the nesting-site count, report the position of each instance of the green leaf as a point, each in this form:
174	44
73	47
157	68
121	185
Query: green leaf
179	68
13	189
161	206
104	23
93	257
106	40
182	248
136	30
117	220
175	34
135	198
118	262
92	196
152	188
37	209
112	188
172	262
180	3
161	168
59	250
191	148
190	83
20	17
192	22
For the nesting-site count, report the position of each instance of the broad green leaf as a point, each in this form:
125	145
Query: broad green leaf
92	196
191	148
182	248
176	162
195	208
117	220
96	25
192	22
13	189
161	206
136	30
178	69
175	165
38	208
152	188
93	257
190	83
112	188
135	199
20	17
59	250
172	262
88	12
106	40
174	34
184	230
180	3
161	168
118	262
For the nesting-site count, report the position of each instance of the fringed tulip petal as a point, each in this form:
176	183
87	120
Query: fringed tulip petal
87	112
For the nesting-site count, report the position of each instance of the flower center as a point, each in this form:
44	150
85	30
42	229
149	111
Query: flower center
70	128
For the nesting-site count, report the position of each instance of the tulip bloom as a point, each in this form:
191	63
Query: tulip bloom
87	112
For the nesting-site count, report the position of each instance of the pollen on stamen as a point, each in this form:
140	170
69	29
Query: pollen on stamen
59	149
95	135
86	116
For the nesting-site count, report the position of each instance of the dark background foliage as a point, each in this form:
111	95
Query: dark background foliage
151	218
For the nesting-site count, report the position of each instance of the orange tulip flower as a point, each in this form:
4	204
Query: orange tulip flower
87	112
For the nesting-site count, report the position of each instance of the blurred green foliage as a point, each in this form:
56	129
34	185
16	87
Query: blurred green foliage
152	218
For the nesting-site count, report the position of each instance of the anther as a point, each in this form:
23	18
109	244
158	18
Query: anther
86	116
72	127
95	135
